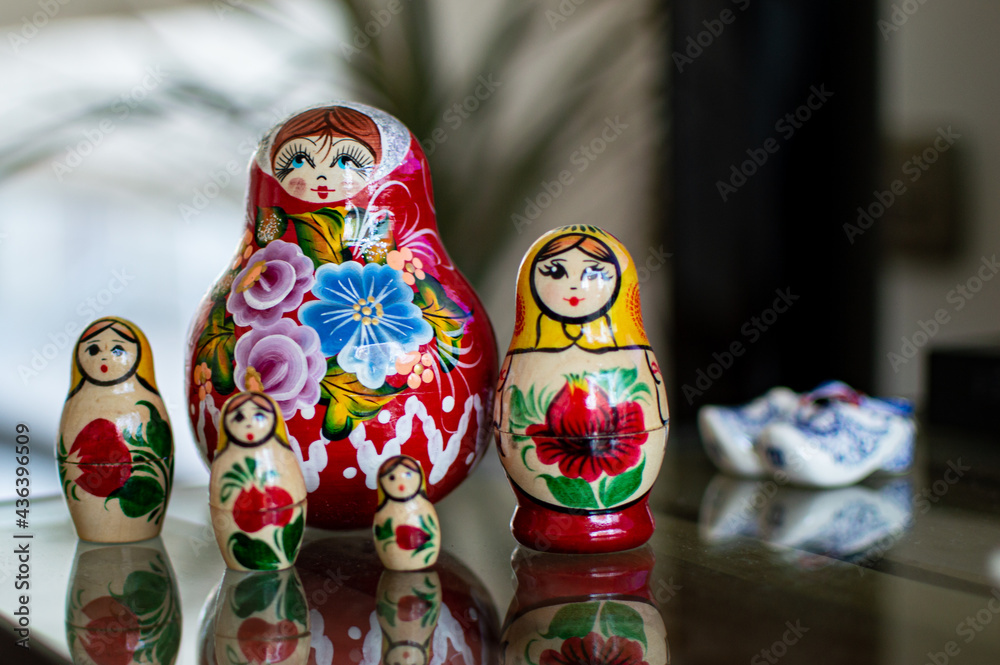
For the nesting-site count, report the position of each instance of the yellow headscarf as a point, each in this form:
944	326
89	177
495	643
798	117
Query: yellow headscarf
616	325
131	332
260	399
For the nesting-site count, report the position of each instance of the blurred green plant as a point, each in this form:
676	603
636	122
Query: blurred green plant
483	169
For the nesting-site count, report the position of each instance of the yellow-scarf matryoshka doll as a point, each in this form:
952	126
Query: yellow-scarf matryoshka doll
115	447
581	411
256	492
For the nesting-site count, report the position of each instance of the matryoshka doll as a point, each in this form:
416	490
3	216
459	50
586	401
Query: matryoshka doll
581	411
115	447
406	528
342	304
256	491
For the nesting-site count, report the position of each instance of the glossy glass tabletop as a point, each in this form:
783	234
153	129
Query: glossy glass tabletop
895	570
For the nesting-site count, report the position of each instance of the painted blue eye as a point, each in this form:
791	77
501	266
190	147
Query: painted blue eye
118	350
298	161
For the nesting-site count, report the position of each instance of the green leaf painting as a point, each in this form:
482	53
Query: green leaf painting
616	489
255	593
570	492
252	553
291	537
215	347
445	316
575	620
139	495
320	235
621	620
349	401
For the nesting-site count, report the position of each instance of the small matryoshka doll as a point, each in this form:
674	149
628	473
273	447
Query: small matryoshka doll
581	410
115	448
256	492
406	528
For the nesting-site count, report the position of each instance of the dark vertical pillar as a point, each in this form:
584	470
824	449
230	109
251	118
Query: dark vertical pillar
775	146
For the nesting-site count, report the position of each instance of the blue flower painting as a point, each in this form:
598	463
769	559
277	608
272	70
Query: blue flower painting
366	317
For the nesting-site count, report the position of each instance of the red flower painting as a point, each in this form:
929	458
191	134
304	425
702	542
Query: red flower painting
112	636
104	459
411	537
586	435
254	509
595	650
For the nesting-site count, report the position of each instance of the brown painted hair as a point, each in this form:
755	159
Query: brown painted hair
587	244
331	121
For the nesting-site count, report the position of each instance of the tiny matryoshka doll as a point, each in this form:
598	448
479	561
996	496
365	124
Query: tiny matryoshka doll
256	492
342	304
581	410
115	448
406	528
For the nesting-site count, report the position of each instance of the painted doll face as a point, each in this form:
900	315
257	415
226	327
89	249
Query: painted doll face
249	423
107	357
323	168
574	285
401	483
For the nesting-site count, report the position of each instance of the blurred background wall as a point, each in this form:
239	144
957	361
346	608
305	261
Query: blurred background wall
128	125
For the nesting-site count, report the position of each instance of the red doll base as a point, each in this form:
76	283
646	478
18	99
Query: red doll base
545	528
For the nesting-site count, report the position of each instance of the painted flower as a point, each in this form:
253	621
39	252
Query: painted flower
586	436
103	458
593	649
404	261
203	379
366	317
411	537
112	636
273	283
287	362
253	509
265	642
416	367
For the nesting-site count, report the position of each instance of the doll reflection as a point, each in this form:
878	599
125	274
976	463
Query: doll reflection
261	617
122	605
357	611
593	609
408	607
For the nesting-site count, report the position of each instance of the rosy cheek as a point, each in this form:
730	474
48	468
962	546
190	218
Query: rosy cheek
297	187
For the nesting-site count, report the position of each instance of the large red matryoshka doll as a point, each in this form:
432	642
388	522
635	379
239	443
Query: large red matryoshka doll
342	305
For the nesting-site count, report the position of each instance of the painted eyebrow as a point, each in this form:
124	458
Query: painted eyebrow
120	341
